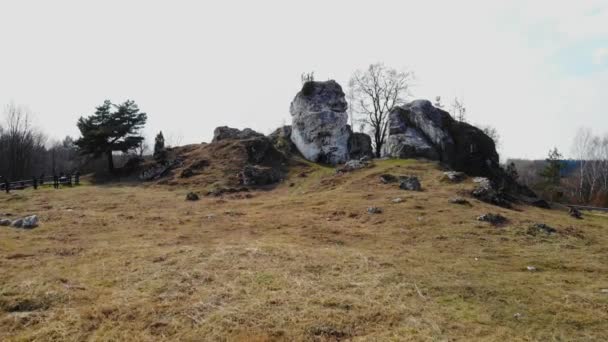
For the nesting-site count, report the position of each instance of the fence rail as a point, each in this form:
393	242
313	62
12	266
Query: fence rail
587	208
42	181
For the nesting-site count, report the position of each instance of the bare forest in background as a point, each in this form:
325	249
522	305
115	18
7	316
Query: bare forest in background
27	152
583	178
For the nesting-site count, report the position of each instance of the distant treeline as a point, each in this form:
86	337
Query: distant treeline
583	180
26	152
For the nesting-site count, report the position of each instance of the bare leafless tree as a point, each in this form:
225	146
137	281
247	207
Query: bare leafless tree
591	153
376	91
307	77
580	151
21	145
492	132
142	149
174	139
458	110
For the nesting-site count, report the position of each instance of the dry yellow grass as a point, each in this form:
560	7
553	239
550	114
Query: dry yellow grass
305	262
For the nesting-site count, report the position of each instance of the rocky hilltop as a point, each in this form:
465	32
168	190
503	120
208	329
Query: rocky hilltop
320	134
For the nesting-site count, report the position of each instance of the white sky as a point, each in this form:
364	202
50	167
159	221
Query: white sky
536	70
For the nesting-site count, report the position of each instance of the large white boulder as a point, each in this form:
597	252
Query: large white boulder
320	128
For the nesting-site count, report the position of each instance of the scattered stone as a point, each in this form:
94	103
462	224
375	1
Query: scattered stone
531	268
30	222
191	196
495	219
222	191
352	165
186	173
397	200
374	210
485	192
575	213
454	176
539	228
258	175
388	178
409	183
604	290
459	200
320	128
18	223
159	170
5	222
517	315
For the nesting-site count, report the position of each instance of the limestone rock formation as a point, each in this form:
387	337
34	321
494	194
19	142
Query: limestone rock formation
419	130
226	133
360	146
27	222
234	158
319	122
259	175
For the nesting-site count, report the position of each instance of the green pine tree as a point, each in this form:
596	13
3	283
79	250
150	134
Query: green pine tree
111	128
553	170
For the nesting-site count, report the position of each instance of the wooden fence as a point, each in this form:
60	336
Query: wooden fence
587	208
68	180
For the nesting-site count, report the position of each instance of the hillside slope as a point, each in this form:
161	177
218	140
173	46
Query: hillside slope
303	261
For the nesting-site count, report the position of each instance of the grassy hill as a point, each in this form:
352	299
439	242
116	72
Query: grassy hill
303	261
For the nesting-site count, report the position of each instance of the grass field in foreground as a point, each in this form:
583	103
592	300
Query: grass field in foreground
300	262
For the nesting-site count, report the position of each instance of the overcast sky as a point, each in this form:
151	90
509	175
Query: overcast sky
535	70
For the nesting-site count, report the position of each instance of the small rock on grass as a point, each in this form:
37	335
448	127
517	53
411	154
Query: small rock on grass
27	222
374	210
30	222
388	178
5	222
397	200
410	183
495	219
459	200
531	268
191	196
575	213
539	228
454	176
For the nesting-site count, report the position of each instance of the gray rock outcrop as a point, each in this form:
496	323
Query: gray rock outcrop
228	133
360	146
419	130
410	183
28	222
258	175
319	123
494	219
